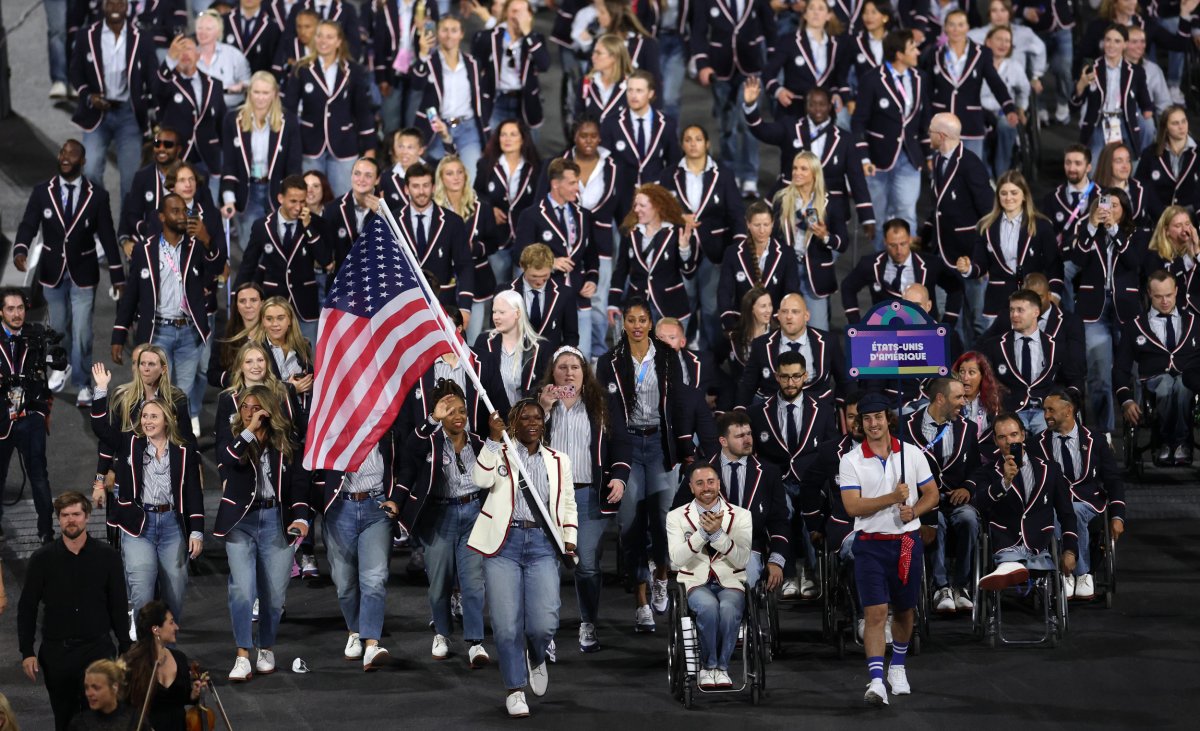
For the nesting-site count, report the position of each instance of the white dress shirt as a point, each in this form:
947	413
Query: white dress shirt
112	53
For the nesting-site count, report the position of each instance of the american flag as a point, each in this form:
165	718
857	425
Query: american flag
379	332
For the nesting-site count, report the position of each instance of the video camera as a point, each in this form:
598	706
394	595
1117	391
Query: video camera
31	381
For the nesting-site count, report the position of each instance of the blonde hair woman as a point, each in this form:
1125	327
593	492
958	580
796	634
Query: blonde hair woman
452	189
104	688
279	329
806	223
1175	246
8	719
515	345
602	92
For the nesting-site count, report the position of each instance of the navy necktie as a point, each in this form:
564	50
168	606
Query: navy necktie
1068	464
1026	360
795	347
535	310
1166	318
289	236
735	484
640	136
896	280
793	432
422	240
69	213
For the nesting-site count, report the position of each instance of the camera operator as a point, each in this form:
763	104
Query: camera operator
27	352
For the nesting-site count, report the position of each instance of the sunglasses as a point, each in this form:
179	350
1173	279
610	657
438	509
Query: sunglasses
165	144
512	58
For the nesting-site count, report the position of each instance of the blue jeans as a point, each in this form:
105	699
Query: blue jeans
260	564
308	328
975	146
523	595
1060	52
399	108
1097	142
200	382
1174	70
964	521
818	307
467	144
443	532
258	204
754	568
71	314
159	555
29	436
707	280
506	106
1034	420
1099	339
894	194
1006	139
1083	516
971	322
739	150
589	579
358	541
120	126
1041	561
644	507
600	309
807	552
184	351
56	38
336	170
673	58
718	617
1174	405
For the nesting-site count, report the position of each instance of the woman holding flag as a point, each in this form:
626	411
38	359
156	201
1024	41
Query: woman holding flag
520	565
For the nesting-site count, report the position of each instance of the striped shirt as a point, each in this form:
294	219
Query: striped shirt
539	481
510	373
265	491
369	477
288	365
156	477
930	429
456	472
645	382
442	369
571	432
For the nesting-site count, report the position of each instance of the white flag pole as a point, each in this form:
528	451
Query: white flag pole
457	347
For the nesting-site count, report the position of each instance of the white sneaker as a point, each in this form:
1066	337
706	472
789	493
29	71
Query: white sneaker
944	601
1085	587
643	619
354	648
1176	95
808	587
132	628
962	602
750	189
539	677
898	679
722	679
58	90
308	566
58	379
1062	113
266	662
375	657
516	705
862	625
1044	117
587	637
196	425
660	596
441	647
478	657
876	694
552	651
1068	586
241	670
707	678
84	397
254	612
791	589
1008	573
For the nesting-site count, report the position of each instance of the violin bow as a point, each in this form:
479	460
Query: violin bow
149	693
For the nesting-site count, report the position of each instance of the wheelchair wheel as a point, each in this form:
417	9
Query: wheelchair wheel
1133	460
1110	562
839	635
776	634
568	93
756	660
677	680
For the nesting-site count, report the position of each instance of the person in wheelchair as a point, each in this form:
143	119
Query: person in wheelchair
1162	343
874	478
950	444
1090	471
1022	493
709	542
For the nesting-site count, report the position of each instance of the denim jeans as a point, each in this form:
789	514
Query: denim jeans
443	532
818	307
336	170
1006	139
200	382
707	280
260	564
502	266
399	108
894	194
1174	69
1083	516
589	579
56	38
644	508
1034	420
1099	339
1174	404
358	541
673	57
975	146
258	204
599	314
964	521
308	328
739	150
718	617
523	596
754	568
71	314
1097	142
120	126
1060	53
971	322
1041	561
479	313
184	351
159	555
29	436
505	107
467	144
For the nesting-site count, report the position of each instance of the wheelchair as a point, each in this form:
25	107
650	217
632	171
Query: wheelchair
683	651
1135	448
1028	148
840	610
1104	558
765	606
1045	588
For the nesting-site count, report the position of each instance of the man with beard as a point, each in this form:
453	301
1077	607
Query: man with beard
79	583
149	186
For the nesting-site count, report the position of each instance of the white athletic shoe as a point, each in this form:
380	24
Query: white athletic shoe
354	648
898	679
266	662
441	647
876	694
241	670
375	657
516	705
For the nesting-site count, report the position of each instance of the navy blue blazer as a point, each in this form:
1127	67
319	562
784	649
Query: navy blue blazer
385	37
961	96
1037	253
426	461
538	224
732	45
720	216
817	266
882	131
87	74
145	193
1156	175
1135	97
793	56
1013	520
1095	283
488	47
589	103
817	423
1057	371
780	276
292	486
961	197
869	272
560	313
1099	483
341	119
654	270
758	379
491	187
618	136
283	159
139	298
345	15
447	254
283	271
260	43
69	245
671	410
428	78
198	121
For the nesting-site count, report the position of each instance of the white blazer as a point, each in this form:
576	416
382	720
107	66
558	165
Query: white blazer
685	541
494	473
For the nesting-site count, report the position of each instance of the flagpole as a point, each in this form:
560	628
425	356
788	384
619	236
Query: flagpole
456	345
229	263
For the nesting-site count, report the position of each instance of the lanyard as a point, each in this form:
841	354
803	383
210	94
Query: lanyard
165	253
642	371
941	433
899	79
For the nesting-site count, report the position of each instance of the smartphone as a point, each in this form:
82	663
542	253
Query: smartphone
431	113
1017	451
811	217
1087	64
430	26
566	392
1105	203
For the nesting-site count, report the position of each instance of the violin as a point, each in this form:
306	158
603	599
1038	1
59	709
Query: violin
200	717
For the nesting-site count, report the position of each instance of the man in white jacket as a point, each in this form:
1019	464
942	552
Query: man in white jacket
709	542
